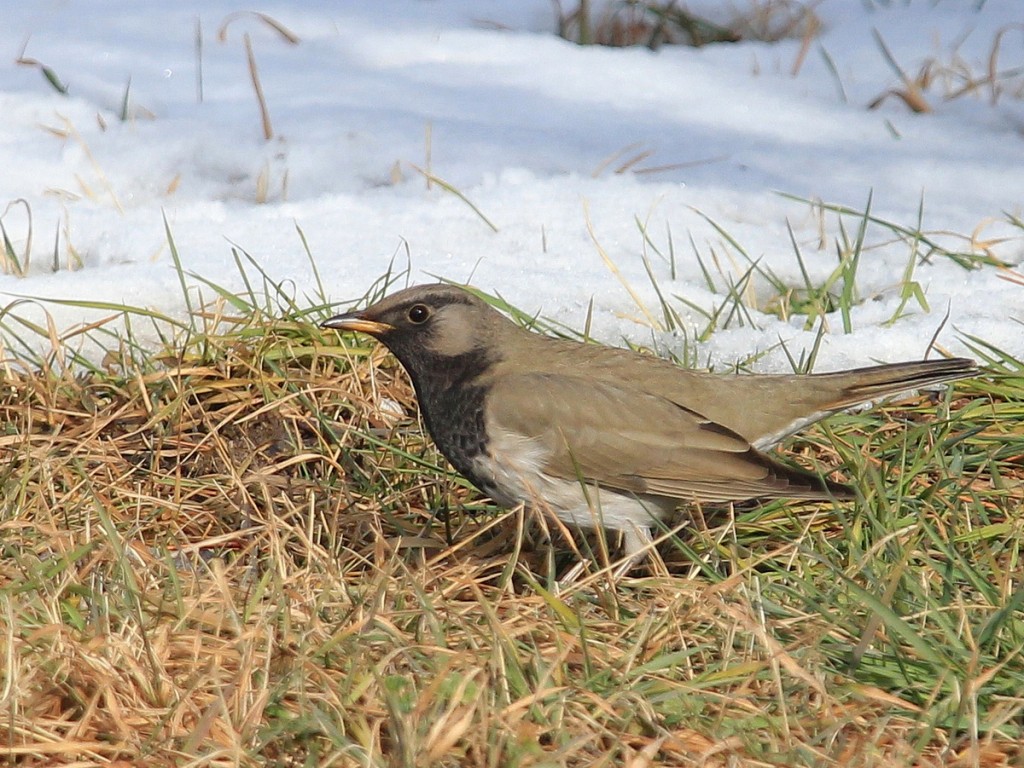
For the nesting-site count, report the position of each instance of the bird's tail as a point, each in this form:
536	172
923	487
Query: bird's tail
881	381
816	396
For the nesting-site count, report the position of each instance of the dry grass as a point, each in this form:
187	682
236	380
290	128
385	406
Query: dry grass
935	80
654	23
952	76
234	557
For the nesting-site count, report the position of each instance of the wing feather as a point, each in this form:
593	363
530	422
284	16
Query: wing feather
635	441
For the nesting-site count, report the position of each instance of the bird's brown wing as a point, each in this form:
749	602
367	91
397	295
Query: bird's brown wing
763	408
638	442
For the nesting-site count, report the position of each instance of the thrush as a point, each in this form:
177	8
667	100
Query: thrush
606	437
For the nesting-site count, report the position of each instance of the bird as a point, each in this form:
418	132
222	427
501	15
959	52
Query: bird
605	437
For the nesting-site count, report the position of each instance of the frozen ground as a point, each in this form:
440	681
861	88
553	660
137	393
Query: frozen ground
532	130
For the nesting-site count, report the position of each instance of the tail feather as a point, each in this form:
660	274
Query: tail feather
826	393
883	381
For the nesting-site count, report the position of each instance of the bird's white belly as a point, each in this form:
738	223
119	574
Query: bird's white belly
516	463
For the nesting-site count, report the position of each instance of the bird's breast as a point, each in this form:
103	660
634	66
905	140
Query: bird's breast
455	420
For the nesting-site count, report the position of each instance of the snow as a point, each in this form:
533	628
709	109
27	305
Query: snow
545	137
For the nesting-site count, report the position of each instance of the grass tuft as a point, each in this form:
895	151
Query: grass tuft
654	23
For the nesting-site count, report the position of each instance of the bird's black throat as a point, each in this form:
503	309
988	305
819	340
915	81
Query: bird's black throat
451	396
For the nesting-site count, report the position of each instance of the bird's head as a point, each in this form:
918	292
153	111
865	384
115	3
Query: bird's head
427	326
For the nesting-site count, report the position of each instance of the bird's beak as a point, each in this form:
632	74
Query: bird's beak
356	322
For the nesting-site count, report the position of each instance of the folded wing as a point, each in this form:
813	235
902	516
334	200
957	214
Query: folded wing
641	443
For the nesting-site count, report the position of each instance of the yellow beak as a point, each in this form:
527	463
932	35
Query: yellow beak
354	322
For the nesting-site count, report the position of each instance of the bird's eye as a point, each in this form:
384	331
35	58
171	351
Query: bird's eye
419	313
